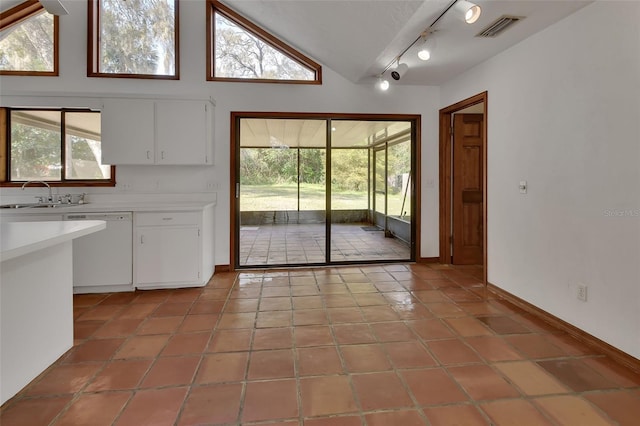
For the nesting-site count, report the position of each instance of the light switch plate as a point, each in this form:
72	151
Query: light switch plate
523	186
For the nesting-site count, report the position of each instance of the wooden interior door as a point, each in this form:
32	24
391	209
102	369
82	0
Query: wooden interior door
467	189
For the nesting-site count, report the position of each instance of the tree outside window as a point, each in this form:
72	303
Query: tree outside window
134	38
29	42
240	54
56	146
239	50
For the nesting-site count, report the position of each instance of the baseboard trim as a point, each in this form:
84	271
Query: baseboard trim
222	268
581	335
428	260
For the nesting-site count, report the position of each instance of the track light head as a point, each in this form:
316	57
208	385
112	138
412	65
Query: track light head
424	54
383	84
428	46
470	11
399	71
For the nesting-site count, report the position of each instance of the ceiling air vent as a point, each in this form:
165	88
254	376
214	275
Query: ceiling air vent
499	25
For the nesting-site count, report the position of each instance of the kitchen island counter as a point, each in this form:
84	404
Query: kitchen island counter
36	301
20	238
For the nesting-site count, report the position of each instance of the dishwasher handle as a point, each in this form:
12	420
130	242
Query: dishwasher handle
98	216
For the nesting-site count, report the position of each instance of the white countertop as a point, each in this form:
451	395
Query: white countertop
117	206
20	238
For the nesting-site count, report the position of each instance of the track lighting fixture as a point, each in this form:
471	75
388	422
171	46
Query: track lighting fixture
383	84
470	11
428	46
399	71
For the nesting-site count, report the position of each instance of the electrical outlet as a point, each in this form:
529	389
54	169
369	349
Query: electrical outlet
582	292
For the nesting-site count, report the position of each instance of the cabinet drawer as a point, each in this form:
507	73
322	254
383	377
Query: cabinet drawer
168	218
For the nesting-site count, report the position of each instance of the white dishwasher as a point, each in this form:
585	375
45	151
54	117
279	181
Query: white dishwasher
103	261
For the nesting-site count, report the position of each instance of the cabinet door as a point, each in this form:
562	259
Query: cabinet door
127	131
182	132
167	255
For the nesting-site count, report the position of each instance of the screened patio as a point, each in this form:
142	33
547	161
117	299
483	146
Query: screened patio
324	191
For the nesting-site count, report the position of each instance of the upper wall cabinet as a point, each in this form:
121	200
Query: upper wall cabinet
127	131
153	131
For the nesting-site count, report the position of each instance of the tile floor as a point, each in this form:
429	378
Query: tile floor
293	244
375	345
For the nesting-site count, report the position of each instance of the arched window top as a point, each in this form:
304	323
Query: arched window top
28	41
239	50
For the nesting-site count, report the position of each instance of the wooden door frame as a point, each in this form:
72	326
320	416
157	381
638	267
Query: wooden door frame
446	119
234	118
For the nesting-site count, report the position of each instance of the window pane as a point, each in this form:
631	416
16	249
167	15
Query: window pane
312	179
268	179
349	179
35	145
137	37
29	45
399	199
380	175
83	150
240	54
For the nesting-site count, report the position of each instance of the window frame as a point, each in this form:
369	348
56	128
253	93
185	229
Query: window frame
215	6
21	13
93	48
5	152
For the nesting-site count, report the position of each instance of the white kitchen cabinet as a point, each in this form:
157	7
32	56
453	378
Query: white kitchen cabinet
183	132
173	249
168	255
148	131
127	131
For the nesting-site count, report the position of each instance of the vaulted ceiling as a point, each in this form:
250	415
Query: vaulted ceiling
359	38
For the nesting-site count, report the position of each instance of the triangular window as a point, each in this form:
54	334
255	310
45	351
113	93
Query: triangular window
28	40
239	50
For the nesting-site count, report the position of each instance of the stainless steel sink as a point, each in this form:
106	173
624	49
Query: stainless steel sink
14	206
36	205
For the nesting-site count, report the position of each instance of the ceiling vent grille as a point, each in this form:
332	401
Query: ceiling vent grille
499	26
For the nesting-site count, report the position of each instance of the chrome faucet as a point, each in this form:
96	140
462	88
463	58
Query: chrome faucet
42	182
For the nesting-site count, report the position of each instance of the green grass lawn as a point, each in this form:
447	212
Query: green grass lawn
312	197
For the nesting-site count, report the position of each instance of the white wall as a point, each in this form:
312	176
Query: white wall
334	95
564	114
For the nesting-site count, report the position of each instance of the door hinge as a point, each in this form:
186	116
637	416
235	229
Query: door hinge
451	239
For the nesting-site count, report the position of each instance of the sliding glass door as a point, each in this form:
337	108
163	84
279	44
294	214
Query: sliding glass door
281	191
366	180
322	190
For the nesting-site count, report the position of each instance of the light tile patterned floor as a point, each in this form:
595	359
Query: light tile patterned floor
288	244
373	345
